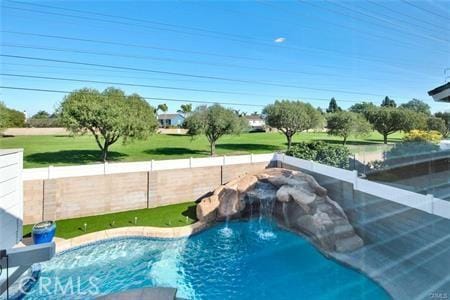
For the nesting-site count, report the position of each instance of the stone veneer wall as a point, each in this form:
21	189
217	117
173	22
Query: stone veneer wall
72	197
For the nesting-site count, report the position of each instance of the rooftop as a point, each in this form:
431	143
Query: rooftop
441	93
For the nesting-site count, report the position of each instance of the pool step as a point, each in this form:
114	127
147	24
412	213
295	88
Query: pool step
154	293
344	231
349	244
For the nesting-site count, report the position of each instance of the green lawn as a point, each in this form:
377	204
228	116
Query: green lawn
41	151
163	216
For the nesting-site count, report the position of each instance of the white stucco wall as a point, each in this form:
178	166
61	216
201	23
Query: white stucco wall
11	197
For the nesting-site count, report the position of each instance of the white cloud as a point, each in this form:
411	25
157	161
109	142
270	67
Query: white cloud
280	40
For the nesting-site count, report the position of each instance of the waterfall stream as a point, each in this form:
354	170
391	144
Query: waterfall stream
263	198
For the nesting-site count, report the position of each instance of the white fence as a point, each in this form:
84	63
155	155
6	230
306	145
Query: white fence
52	172
425	203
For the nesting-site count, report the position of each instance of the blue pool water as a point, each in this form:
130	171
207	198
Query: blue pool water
241	260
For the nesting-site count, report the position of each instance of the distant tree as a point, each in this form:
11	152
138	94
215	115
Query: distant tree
320	110
386	120
438	124
42	114
362	108
333	107
185	108
345	124
240	113
162	107
291	117
418	106
43	119
387	102
108	116
214	122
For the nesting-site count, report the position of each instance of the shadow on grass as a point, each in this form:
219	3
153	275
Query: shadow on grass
191	212
71	157
351	143
175	151
175	134
390	140
248	147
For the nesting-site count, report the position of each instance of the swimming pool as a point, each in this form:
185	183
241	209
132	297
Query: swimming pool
241	260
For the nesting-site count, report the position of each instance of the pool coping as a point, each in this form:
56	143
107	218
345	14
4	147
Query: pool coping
130	231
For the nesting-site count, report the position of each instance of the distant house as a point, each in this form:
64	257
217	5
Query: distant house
256	123
170	120
441	93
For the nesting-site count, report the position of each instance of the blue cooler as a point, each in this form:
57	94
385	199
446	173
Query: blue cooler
43	232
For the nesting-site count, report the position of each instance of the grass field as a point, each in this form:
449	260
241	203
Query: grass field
41	151
164	216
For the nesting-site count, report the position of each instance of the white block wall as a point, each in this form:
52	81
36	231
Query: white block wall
11	197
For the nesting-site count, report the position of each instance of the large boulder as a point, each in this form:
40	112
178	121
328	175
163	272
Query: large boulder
299	203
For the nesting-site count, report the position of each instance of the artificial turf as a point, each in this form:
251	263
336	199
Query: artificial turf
164	216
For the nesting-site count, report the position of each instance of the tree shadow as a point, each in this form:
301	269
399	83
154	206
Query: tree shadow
72	157
175	134
390	140
175	151
248	147
351	143
191	212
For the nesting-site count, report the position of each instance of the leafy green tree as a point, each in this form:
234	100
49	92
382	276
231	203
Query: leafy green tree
362	107
345	124
437	124
417	106
386	120
214	122
108	116
3	116
387	102
291	117
10	117
16	118
333	107
413	120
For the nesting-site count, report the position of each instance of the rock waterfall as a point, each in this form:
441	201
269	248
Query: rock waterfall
294	199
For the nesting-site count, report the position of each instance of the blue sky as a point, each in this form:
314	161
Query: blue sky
262	50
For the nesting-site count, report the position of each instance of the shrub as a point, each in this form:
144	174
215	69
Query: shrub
332	155
410	148
421	136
